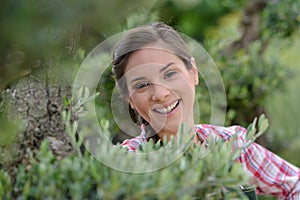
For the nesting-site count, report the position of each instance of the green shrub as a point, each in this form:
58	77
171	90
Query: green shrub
200	172
87	178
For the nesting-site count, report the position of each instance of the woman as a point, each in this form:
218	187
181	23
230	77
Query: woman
157	76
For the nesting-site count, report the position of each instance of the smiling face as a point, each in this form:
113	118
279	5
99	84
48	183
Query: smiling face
161	88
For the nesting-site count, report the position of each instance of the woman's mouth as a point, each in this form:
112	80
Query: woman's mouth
169	109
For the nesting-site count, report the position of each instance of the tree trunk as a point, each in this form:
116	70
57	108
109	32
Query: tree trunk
38	101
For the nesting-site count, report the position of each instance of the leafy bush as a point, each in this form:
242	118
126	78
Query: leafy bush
195	174
87	178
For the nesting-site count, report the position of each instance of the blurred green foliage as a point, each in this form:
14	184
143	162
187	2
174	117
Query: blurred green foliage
194	17
282	21
281	18
283	106
248	80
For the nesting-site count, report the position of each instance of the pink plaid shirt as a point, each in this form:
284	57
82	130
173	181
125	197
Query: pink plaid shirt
270	173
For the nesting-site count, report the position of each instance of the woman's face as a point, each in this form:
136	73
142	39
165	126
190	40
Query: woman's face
161	88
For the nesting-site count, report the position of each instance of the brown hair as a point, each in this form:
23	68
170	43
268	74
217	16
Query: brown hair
138	38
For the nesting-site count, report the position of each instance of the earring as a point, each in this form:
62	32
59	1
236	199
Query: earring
153	97
132	106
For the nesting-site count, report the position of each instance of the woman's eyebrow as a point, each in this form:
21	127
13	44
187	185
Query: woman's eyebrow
137	79
165	67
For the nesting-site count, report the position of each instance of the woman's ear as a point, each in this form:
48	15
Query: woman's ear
195	71
131	104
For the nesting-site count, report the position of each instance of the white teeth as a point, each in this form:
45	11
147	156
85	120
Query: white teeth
168	109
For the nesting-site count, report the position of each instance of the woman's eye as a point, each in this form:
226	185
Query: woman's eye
170	74
141	85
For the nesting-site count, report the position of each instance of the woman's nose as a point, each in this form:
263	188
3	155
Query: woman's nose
160	92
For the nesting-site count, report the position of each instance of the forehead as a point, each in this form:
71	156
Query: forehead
151	56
